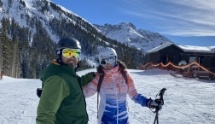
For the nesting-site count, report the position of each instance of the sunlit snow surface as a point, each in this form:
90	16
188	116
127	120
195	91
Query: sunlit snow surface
187	100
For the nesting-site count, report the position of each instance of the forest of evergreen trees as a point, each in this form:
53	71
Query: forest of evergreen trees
24	54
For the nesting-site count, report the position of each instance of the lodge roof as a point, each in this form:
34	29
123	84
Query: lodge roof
185	48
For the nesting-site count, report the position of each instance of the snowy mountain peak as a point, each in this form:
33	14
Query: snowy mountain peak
127	25
29	11
128	33
26	12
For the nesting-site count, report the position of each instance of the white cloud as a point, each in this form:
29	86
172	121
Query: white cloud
184	17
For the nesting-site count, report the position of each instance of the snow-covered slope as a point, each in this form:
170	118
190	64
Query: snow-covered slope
187	101
23	10
43	10
28	9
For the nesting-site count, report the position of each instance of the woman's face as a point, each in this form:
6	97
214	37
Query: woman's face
108	66
108	62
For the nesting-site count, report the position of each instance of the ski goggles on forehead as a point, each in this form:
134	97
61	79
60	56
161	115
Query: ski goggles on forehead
68	53
110	60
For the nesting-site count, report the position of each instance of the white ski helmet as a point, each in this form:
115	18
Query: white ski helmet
107	52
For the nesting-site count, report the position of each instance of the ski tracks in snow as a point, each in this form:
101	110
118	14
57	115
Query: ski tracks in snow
187	101
18	102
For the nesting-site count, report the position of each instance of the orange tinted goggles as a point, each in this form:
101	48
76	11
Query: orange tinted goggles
68	53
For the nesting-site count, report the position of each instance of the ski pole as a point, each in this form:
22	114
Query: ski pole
159	99
156	118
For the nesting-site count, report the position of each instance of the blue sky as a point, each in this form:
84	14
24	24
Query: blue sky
185	22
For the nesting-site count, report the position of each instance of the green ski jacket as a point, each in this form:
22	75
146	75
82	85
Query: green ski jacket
62	100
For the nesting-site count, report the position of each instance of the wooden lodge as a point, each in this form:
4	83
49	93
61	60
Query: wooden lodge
170	52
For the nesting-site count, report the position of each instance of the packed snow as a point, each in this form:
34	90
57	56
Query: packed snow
187	100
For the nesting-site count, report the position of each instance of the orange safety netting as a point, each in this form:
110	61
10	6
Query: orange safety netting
170	64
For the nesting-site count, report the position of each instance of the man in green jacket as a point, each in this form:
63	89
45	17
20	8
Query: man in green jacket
62	100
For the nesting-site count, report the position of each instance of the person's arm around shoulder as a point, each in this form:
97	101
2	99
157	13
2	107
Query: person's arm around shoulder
91	88
85	79
54	91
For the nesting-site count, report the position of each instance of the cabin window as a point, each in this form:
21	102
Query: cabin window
192	59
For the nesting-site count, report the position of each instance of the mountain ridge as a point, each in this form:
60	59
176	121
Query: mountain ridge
31	28
141	39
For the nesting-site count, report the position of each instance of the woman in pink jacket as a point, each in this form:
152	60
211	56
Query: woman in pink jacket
114	85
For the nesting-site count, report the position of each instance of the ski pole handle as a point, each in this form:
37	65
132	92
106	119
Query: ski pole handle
160	99
39	92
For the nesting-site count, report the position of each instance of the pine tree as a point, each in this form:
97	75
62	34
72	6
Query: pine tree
5	48
15	59
1	50
1	3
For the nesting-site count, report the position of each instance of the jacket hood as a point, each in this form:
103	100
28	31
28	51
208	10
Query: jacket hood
56	69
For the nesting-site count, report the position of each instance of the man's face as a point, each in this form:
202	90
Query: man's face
71	56
69	61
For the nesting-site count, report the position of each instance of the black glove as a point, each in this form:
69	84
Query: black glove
39	92
155	104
